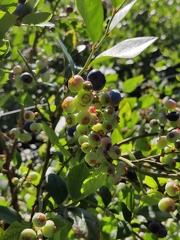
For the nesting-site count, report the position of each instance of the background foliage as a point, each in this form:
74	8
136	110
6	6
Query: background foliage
72	194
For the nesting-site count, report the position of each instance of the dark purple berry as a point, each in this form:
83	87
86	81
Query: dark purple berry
19	9
26	126
115	97
21	1
154	227
71	131
26	77
172	116
162	232
97	79
69	9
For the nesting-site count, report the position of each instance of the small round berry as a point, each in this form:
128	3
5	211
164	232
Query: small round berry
35	127
28	234
114	152
162	142
166	204
172	116
26	77
19	9
121	168
39	219
40	64
15	133
115	97
85	97
94	139
172	136
29	116
69	9
106	142
48	229
71	120
33	176
84	117
162	233
87	86
68	105
162	118
172	188
114	178
105	99
71	131
170	104
86	147
91	158
18	82
75	83
97	79
154	227
17	69
25	137
111	169
26	126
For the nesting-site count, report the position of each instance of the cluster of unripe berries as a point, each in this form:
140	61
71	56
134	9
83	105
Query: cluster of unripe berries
39	221
30	126
91	115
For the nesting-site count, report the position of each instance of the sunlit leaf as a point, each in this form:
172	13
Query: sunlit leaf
131	84
92	14
121	14
37	18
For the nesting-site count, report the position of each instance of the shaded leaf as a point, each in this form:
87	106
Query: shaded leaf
129	48
124	230
37	18
131	84
126	213
75	179
153	212
1	233
5	98
56	187
85	223
6	20
14	230
105	195
9	215
121	14
92	14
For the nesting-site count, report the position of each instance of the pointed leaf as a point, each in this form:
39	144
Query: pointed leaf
56	187
9	215
131	84
67	55
124	230
105	195
129	48
14	230
6	20
37	18
121	14
93	183
92	14
75	180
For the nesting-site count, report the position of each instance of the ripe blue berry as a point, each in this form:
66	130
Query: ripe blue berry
26	77
97	79
115	97
71	131
172	116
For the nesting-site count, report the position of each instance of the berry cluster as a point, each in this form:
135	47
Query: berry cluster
40	222
157	229
30	126
91	115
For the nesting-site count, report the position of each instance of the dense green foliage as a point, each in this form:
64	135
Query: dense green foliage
132	192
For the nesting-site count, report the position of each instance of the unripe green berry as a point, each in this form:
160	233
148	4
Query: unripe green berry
15	133
114	152
28	234
161	142
35	127
114	178
68	105
166	205
172	188
170	104
172	136
121	168
25	137
39	219
91	158
75	83
17	69
48	229
29	116
33	176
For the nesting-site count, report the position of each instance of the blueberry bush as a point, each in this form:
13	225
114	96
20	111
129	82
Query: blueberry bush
89	120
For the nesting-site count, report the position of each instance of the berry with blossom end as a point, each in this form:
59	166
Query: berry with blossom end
28	234
15	133
114	152
91	158
68	105
26	77
75	83
25	137
115	97
172	136
39	219
172	188
48	229
170	104
162	142
166	204
29	116
114	178
35	127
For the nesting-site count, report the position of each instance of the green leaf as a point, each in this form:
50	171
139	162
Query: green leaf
149	181
56	187
5	98
14	230
92	14
129	48
1	233
75	179
147	101
4	49
117	3
67	55
93	183
153	212
126	213
85	222
131	84
121	14
124	230
37	18
6	20
152	198
9	215
105	195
